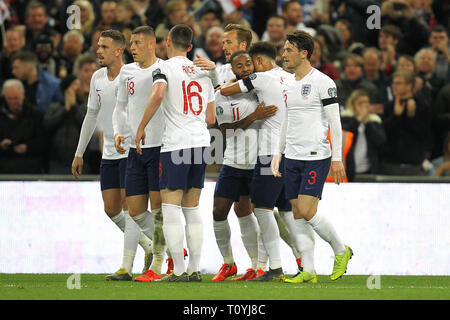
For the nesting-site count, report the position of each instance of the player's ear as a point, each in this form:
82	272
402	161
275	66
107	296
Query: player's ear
190	48
119	52
259	59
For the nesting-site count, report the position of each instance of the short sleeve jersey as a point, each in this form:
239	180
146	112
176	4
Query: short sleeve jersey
135	88
307	125
267	86
240	151
102	98
188	92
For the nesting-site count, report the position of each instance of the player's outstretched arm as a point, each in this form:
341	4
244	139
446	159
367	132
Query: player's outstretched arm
208	65
151	107
230	89
337	166
87	130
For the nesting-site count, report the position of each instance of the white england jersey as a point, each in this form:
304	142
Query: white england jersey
225	73
241	150
307	124
102	98
188	92
135	88
267	86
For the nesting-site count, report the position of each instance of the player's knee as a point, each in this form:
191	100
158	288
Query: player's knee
304	213
242	210
112	210
219	213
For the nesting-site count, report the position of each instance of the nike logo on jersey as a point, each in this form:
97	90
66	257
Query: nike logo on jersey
98	90
130	78
234	104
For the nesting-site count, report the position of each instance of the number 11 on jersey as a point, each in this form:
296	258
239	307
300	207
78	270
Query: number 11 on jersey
236	114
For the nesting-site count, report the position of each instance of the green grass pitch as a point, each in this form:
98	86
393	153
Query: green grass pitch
94	287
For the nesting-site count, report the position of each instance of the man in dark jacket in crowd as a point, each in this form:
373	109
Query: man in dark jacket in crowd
22	139
406	124
63	122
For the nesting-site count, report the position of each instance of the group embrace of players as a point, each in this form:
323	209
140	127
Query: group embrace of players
155	119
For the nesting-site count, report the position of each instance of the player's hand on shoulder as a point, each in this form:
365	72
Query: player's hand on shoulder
338	171
77	166
204	63
118	141
262	112
275	165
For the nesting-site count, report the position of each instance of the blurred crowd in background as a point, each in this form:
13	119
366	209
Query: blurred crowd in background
390	65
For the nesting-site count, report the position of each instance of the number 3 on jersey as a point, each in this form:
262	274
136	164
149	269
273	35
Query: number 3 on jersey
188	95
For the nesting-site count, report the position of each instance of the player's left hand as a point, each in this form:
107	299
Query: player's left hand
338	171
77	166
140	135
275	165
204	63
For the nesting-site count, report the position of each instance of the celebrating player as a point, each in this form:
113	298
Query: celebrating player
312	108
142	172
236	37
267	192
102	96
236	116
188	97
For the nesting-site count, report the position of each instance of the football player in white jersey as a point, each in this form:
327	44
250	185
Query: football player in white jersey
238	117
102	96
142	172
236	37
312	110
267	191
187	95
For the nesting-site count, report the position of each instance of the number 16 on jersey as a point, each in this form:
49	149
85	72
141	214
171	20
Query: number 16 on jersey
188	95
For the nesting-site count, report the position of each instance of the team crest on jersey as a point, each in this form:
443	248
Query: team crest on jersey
306	90
252	76
219	111
332	92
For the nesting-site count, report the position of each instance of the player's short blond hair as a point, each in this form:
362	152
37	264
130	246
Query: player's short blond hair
243	33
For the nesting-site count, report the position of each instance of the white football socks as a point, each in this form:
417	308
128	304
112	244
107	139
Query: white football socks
120	220
305	242
145	222
223	235
249	234
131	237
194	237
174	235
270	236
159	242
290	239
262	254
326	231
